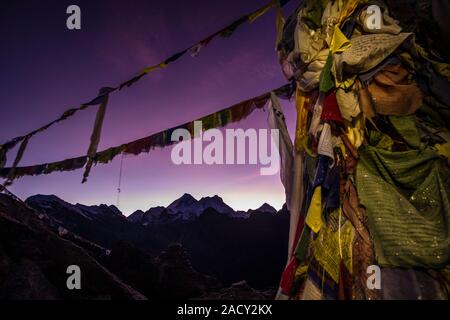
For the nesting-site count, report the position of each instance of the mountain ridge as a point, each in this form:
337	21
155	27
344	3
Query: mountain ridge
185	208
219	241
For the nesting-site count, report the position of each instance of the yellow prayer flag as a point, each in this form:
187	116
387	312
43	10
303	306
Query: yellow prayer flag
149	69
280	21
154	67
301	132
331	247
444	150
339	42
355	134
314	215
345	84
258	13
442	68
349	7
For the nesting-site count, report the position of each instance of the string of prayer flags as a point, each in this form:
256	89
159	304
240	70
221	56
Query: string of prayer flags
24	140
4	148
224	32
161	139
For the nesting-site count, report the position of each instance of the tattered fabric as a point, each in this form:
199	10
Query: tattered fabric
412	189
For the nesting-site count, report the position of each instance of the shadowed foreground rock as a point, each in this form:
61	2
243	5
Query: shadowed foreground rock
167	276
33	261
240	291
35	251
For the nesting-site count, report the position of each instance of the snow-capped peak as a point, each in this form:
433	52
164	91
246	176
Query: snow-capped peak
216	203
183	204
267	208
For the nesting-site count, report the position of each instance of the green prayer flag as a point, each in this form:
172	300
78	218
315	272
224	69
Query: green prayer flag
326	79
406	196
406	127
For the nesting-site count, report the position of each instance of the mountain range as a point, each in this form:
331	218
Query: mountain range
226	244
187	208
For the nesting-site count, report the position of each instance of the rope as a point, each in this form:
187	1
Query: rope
120	181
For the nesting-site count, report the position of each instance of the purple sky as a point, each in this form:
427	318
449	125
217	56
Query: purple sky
45	69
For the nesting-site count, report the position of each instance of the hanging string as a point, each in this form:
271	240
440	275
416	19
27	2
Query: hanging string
120	182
